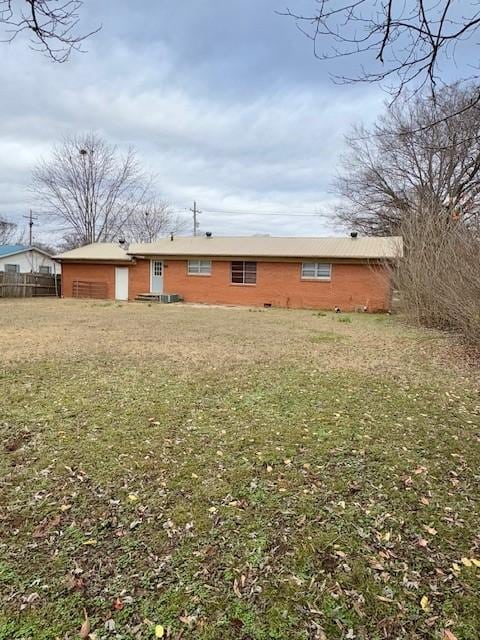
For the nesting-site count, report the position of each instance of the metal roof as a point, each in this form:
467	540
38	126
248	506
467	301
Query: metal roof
243	247
13	249
270	247
8	249
97	252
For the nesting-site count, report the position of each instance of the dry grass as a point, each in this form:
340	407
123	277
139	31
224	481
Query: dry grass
234	473
219	337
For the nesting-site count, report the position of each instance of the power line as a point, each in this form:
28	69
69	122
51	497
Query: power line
254	212
266	213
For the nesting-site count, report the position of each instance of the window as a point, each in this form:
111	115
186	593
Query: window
12	268
316	271
199	267
46	270
244	272
157	268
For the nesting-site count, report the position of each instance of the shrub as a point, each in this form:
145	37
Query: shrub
439	277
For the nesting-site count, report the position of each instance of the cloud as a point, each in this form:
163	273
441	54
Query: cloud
237	123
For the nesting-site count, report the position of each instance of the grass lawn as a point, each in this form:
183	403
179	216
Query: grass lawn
217	473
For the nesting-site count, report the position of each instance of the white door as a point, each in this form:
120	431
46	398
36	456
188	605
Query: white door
157	276
121	283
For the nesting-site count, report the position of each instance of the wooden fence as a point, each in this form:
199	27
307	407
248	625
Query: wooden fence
29	285
87	289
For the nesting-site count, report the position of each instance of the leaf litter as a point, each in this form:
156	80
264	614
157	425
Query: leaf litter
269	488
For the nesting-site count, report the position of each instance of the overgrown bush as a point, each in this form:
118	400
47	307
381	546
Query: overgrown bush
439	276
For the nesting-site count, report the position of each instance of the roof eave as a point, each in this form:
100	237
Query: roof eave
95	260
16	253
227	256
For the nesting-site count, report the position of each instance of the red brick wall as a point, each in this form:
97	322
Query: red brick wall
139	279
280	284
89	273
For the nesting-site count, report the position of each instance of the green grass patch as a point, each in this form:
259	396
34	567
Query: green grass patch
254	499
326	336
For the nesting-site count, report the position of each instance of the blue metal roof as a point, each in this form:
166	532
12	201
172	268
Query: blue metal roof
7	249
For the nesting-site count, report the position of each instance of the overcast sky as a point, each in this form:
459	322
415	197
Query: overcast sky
224	102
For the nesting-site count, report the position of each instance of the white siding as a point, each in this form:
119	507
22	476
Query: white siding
29	261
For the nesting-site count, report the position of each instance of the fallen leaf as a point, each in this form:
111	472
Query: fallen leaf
110	626
430	530
424	603
74	583
236	590
44	528
466	562
475	562
85	628
159	631
90	542
448	635
118	604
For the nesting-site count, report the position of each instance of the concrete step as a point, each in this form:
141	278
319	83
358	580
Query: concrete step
148	297
163	298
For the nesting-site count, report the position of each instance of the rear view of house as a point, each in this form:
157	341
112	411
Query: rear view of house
314	273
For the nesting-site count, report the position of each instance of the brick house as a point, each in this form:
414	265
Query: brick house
311	273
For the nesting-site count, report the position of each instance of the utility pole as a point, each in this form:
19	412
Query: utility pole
195	212
30	219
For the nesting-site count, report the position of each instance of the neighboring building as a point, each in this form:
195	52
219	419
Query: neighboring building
18	258
312	273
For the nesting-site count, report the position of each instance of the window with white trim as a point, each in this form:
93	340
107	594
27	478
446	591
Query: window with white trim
45	269
244	272
316	271
12	268
199	267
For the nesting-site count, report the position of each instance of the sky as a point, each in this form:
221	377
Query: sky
223	101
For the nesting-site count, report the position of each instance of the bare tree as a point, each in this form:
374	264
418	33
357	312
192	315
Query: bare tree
403	165
403	43
8	231
69	241
52	25
438	279
155	220
91	189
